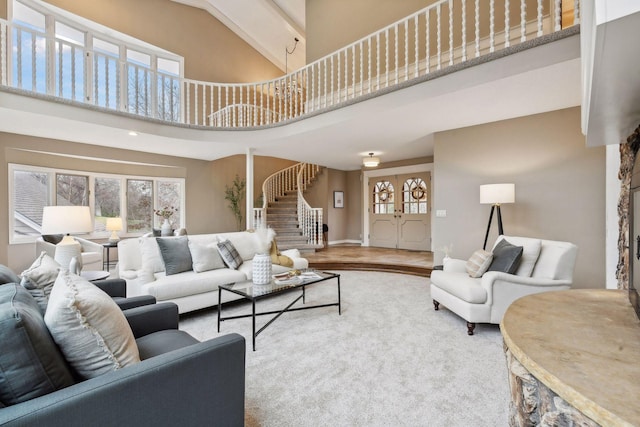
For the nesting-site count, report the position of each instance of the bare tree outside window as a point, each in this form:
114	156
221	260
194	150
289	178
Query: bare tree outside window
139	205
72	190
169	194
107	201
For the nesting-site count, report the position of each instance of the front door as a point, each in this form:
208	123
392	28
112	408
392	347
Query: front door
399	211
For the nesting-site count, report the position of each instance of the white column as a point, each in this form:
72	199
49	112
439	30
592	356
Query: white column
249	188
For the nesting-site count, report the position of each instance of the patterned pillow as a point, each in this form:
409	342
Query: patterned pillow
229	254
478	263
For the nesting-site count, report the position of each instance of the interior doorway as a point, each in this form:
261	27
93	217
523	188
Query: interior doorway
399	207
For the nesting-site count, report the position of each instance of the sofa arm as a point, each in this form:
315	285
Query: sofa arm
152	318
133	302
89	246
197	385
453	265
113	287
518	285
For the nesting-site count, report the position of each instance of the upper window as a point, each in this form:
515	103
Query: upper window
85	61
33	188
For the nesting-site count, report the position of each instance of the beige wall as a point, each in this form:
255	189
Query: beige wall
211	51
560	187
350	21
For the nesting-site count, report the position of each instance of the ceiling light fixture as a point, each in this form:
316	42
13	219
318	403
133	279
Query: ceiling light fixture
371	162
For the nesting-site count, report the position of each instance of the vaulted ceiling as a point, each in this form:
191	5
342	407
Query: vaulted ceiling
269	26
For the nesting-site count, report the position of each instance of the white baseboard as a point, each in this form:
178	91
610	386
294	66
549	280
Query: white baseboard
342	242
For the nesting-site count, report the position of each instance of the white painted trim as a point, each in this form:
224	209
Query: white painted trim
342	242
425	167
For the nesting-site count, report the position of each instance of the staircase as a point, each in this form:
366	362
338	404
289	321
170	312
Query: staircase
296	223
282	216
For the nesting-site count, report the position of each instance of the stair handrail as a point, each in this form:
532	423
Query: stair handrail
309	219
274	186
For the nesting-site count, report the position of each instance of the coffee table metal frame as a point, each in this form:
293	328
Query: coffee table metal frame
269	290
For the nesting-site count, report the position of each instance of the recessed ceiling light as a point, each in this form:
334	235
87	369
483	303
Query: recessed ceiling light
133	133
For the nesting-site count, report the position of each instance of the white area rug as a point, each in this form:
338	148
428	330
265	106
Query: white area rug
389	360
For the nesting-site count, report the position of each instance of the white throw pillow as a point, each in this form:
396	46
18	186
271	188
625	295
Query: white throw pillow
205	257
478	263
39	278
151	256
88	326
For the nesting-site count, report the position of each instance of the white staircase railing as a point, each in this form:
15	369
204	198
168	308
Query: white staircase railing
443	34
295	178
310	219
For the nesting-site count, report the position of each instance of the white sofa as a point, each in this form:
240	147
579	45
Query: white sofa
546	265
141	265
92	253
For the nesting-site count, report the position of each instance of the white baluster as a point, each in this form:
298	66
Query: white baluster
396	53
332	91
3	53
416	60
492	26
325	84
386	49
463	3
539	18
187	110
369	65
378	61
406	50
507	10
576	12
557	15
450	32
427	15
195	101
353	71
523	21
477	22
361	68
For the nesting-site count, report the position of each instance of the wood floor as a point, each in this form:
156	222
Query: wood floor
351	257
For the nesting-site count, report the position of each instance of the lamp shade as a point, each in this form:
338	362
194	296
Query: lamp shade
496	194
114	224
66	220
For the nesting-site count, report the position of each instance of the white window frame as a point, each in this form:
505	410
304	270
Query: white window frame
13	167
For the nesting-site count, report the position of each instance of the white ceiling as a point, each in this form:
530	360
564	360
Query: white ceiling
396	126
269	26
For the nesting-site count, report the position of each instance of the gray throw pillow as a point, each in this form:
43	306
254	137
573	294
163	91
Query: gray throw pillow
506	257
229	254
32	364
7	275
175	254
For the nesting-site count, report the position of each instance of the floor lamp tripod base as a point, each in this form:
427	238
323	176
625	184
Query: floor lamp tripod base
500	230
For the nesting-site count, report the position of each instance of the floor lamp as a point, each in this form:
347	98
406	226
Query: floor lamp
495	195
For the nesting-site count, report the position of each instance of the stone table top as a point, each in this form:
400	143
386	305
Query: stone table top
583	344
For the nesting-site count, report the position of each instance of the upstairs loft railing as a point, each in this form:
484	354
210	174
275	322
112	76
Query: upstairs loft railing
294	179
441	35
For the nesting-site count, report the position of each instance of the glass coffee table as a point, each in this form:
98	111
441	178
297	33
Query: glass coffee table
253	293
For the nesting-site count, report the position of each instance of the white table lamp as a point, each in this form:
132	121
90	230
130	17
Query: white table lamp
67	220
114	225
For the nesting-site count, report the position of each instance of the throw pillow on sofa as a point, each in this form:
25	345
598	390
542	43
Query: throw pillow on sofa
32	364
479	262
175	254
229	254
89	327
150	254
39	278
205	257
506	257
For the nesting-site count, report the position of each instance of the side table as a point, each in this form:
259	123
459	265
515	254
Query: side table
106	265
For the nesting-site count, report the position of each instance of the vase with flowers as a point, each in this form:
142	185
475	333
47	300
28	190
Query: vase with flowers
166	213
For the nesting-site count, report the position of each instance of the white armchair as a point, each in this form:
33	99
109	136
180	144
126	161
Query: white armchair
92	253
546	265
